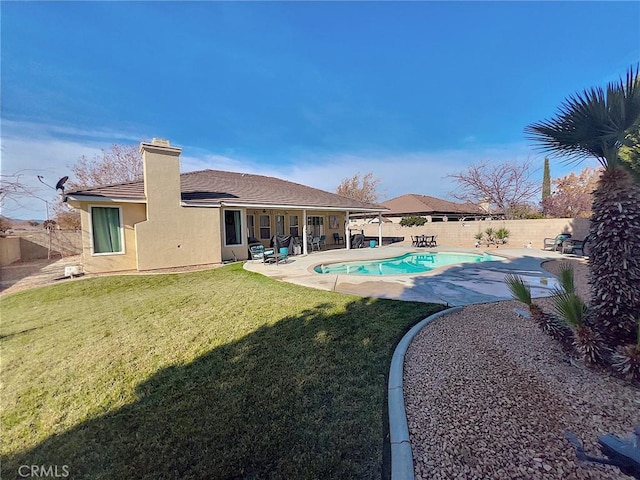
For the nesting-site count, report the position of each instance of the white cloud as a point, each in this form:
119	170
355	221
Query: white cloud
49	151
414	172
30	150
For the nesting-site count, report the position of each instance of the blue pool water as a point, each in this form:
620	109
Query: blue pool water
405	264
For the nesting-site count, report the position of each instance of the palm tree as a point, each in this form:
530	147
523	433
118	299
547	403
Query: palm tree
594	123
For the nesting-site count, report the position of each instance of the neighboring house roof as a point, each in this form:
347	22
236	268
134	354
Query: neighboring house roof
216	187
425	205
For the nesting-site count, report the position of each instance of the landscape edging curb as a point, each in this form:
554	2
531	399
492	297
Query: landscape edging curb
401	455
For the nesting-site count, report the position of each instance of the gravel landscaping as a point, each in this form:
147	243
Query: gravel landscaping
489	396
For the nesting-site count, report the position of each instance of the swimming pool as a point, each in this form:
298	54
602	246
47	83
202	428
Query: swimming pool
405	264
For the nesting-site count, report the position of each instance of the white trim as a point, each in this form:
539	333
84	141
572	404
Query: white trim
122	239
347	232
260	227
305	243
96	198
206	205
301	207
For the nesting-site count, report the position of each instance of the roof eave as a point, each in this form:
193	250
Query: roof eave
280	206
101	198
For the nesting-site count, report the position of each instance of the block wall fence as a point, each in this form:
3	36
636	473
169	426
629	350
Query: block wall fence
35	245
461	234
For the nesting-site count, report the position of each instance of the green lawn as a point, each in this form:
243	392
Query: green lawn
214	374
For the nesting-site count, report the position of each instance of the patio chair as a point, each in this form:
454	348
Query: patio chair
323	241
555	244
315	243
270	256
284	254
337	239
257	252
572	245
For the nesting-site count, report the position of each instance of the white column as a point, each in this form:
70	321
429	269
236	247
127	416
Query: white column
305	250
379	229
347	233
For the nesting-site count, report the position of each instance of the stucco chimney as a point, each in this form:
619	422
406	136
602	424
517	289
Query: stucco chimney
162	142
161	164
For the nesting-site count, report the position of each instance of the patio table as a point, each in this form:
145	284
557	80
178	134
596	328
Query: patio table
425	240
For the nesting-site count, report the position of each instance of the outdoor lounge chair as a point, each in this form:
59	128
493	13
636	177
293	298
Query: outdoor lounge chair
257	252
573	245
555	244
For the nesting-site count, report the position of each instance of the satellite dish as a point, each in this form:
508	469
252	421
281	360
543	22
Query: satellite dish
60	184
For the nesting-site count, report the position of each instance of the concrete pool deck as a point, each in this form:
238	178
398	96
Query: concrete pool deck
455	285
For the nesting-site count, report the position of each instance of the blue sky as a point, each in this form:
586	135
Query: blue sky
310	92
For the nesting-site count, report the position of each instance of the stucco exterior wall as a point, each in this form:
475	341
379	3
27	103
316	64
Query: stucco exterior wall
461	234
132	213
183	236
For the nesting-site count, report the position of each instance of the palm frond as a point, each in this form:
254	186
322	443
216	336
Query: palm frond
566	277
518	289
591	123
570	308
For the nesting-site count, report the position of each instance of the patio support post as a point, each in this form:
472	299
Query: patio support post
305	250
379	229
347	233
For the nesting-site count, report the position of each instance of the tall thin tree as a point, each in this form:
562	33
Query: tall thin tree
546	181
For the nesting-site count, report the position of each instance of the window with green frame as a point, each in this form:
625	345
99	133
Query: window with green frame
106	230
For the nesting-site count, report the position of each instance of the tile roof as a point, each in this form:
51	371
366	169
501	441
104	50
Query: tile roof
424	204
216	186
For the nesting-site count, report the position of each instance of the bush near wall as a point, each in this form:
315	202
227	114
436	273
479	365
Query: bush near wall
413	221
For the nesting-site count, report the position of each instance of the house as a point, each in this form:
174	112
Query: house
432	208
169	219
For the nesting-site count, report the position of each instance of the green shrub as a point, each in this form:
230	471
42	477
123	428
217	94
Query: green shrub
412	221
502	234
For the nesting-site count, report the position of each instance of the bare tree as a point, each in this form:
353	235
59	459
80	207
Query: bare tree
499	188
119	164
13	190
4	224
573	194
66	217
364	189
